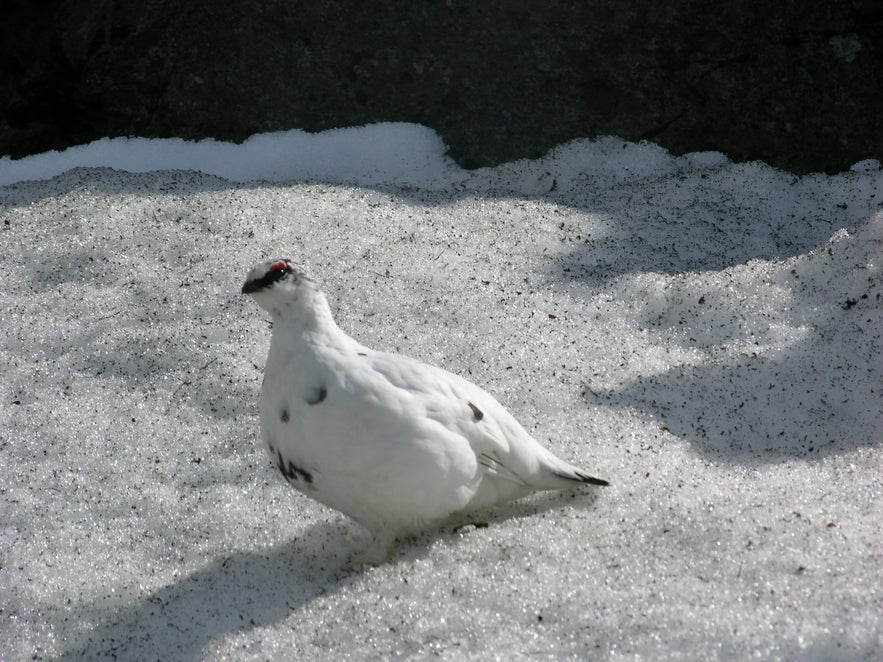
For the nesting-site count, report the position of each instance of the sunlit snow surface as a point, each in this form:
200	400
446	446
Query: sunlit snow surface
705	335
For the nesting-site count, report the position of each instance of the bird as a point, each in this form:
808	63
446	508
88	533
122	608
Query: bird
393	443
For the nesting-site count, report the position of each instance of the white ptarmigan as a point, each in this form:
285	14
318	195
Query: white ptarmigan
393	443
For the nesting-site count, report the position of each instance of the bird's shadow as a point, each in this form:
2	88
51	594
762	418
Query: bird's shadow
414	548
181	619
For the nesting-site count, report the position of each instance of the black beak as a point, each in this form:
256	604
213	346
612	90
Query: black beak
252	286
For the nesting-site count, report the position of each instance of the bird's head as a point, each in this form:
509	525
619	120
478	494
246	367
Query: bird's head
277	286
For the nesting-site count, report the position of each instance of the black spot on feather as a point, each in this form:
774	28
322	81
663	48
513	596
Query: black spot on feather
478	413
285	417
318	397
291	471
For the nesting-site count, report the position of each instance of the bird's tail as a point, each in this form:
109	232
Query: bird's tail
577	476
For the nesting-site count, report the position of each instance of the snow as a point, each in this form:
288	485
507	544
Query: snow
394	153
705	335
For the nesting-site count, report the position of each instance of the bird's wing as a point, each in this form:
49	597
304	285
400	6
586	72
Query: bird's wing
378	418
413	423
501	446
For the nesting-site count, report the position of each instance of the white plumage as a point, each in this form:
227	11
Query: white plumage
392	442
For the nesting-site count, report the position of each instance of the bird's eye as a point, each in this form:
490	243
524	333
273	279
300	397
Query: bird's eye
276	266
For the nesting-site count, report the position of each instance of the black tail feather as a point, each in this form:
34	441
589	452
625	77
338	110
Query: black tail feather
580	477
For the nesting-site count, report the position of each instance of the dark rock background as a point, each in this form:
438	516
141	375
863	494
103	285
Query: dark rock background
796	83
